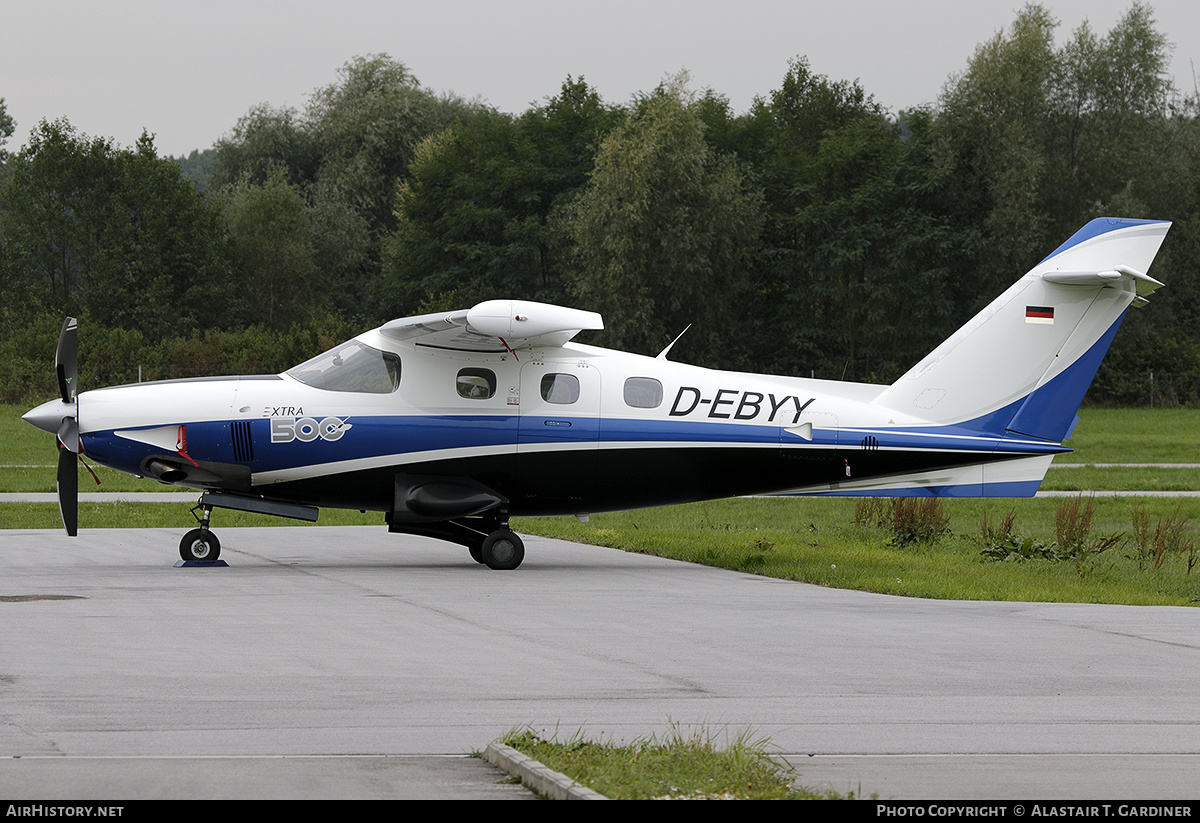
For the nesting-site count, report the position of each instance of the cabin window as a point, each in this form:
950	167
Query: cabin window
351	367
560	388
643	393
476	384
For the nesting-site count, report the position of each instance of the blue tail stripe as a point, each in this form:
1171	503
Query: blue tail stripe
1095	228
1049	412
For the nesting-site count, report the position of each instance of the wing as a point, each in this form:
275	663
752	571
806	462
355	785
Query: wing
496	325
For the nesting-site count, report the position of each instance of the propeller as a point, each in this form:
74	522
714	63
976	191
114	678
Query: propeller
66	366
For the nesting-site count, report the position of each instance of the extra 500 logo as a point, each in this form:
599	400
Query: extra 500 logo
307	429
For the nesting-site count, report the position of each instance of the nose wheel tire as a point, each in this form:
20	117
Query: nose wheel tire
503	550
200	546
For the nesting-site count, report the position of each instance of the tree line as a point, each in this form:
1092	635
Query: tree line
816	233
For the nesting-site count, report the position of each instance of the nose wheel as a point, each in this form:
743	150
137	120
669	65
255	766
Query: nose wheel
200	545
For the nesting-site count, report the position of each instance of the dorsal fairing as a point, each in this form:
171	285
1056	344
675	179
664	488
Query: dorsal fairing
494	325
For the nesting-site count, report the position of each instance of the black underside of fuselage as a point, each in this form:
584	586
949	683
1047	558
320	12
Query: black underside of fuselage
584	481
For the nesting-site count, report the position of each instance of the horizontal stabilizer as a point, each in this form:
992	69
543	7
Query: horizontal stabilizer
1143	283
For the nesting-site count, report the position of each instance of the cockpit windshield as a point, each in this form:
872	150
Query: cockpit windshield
351	367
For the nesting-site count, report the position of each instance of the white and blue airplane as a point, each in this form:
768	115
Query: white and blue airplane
452	423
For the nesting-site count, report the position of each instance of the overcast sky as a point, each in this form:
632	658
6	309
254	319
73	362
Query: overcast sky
187	72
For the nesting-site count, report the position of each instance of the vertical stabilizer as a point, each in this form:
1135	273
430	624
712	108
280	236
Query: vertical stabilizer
1024	363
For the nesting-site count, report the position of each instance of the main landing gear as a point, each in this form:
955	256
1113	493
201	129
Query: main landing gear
460	510
488	538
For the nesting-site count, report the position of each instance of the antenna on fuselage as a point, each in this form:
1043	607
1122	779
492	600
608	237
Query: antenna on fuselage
662	355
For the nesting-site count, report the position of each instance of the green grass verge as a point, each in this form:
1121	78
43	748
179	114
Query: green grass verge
1135	436
817	541
678	767
123	515
1125	478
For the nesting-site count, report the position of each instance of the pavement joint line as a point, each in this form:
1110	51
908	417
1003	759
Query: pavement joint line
539	778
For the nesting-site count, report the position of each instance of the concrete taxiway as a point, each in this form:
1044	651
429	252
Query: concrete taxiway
346	662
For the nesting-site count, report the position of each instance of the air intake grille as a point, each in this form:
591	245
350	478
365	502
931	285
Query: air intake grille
243	446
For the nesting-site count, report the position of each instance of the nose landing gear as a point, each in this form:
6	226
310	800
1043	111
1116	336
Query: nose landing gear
200	545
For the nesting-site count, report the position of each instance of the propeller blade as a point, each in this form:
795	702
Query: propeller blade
66	361
68	435
66	367
68	490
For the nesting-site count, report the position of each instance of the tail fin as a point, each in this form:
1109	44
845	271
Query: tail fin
1024	363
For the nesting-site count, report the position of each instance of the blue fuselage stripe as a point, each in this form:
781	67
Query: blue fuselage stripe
381	436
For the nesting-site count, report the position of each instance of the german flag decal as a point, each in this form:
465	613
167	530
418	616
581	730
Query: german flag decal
1039	314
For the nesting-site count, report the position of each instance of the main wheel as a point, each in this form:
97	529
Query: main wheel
503	549
200	545
476	552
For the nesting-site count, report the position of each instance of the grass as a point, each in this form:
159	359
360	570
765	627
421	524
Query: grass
1126	478
818	540
1135	436
677	767
124	515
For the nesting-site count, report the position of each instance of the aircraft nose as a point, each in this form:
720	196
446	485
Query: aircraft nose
49	416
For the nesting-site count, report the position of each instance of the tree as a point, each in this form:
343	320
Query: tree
6	128
272	251
661	236
1042	140
997	118
115	234
1112	102
263	140
367	128
347	153
851	278
343	245
472	218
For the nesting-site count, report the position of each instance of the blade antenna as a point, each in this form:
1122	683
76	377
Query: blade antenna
662	355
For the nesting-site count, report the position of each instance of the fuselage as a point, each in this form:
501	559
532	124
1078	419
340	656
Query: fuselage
568	429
